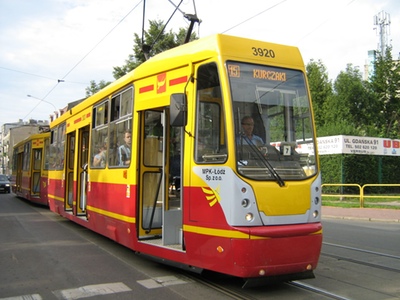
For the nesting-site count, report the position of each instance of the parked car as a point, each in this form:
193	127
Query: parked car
5	185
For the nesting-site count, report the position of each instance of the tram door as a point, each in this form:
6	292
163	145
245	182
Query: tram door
160	214
36	171
75	198
69	172
18	182
82	171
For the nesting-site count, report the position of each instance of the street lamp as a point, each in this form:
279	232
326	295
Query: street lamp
56	110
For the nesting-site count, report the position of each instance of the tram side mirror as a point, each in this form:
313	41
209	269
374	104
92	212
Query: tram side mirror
178	110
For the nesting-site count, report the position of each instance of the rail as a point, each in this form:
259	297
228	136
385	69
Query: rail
361	195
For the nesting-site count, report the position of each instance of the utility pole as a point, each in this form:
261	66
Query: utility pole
382	25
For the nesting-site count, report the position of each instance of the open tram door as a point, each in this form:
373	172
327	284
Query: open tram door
82	171
76	192
69	172
160	161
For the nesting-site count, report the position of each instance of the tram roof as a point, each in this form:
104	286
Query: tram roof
217	45
225	46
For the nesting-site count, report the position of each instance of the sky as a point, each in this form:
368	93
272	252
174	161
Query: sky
52	49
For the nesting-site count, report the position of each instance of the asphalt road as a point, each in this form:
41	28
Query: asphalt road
44	256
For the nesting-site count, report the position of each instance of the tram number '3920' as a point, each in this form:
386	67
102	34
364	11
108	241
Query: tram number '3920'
263	52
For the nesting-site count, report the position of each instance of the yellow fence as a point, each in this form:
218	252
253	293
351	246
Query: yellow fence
361	195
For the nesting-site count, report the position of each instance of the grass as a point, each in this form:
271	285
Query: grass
354	202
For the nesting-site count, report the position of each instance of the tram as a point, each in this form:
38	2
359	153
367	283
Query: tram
30	168
160	161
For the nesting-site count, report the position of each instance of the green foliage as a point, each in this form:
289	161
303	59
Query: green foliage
360	169
94	87
385	84
331	168
156	40
356	107
337	127
320	89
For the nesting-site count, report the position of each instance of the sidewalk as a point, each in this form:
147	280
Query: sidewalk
367	214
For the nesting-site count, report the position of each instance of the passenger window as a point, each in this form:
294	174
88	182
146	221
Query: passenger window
120	136
57	147
99	140
210	145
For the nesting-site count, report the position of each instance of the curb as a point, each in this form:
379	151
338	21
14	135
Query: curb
361	219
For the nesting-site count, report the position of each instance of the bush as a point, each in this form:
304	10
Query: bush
360	169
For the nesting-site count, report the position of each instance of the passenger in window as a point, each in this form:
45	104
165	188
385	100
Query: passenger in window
124	151
99	159
247	133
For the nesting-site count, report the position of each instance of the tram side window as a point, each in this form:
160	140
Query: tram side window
27	157
37	156
99	141
46	154
57	146
210	144
120	138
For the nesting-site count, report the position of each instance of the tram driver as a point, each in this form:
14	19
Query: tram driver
247	133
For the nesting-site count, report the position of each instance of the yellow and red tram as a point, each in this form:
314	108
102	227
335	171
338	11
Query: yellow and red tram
30	168
160	161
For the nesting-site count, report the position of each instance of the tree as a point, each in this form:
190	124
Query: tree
320	89
95	87
352	107
156	40
385	83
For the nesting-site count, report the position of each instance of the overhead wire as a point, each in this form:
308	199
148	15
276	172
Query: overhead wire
165	25
322	23
147	48
41	100
40	76
112	29
256	15
86	55
27	73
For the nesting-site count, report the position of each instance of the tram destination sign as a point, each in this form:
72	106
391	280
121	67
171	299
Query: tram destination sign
346	144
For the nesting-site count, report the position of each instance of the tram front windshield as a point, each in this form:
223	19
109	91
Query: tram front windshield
273	122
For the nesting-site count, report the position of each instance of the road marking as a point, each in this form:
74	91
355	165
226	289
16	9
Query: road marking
92	290
162	282
24	297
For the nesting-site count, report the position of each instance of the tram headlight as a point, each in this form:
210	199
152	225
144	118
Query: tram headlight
316	200
315	213
249	217
245	202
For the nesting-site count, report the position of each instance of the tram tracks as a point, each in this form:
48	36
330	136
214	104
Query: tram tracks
217	282
318	291
329	285
365	260
232	289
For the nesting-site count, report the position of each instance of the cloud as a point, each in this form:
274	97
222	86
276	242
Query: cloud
82	40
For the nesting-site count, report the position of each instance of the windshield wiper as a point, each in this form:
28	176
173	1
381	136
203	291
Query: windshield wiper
261	157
